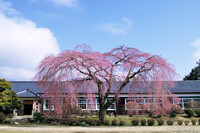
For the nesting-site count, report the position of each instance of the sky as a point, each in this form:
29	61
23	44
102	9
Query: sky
32	29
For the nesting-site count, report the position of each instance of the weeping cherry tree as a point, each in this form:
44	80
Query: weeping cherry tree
65	75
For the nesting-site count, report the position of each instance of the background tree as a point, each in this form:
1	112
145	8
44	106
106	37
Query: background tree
8	98
85	70
194	74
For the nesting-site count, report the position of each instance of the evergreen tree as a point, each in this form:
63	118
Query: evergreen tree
194	74
8	98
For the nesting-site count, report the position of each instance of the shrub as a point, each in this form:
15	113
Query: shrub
85	113
98	122
48	120
193	105
95	123
69	109
55	123
197	112
114	122
38	117
160	122
176	109
170	122
190	112
132	108
73	122
31	120
90	122
83	124
143	122
122	123
172	114
150	122
106	122
154	109
66	121
143	108
135	122
199	121
179	110
2	117
187	122
180	122
194	122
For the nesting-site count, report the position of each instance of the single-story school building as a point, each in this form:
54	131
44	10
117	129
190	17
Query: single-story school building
31	97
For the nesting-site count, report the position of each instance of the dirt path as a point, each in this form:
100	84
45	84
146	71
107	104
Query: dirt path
57	129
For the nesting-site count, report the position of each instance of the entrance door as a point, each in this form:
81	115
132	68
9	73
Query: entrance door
28	107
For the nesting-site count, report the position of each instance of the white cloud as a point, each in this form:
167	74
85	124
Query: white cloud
196	45
12	73
122	28
22	46
67	3
6	8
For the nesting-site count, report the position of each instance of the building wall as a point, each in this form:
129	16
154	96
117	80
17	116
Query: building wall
118	107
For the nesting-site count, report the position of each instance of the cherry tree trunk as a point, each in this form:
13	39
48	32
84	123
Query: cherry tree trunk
102	113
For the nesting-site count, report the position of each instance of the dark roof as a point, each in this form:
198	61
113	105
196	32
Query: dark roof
190	86
181	87
26	94
20	88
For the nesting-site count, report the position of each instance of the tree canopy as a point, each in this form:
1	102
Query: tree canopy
194	74
8	98
85	69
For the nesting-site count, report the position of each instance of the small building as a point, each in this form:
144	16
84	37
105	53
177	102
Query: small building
31	97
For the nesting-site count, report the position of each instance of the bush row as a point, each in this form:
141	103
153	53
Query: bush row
135	122
39	118
151	122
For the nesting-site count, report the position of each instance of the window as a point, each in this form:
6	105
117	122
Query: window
48	105
97	101
185	102
112	106
82	102
91	104
85	103
136	100
197	99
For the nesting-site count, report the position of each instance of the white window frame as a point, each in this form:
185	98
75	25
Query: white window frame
185	102
82	103
95	104
44	105
181	100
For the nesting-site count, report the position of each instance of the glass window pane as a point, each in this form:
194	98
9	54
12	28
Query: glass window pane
81	100
197	99
186	100
83	106
91	106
